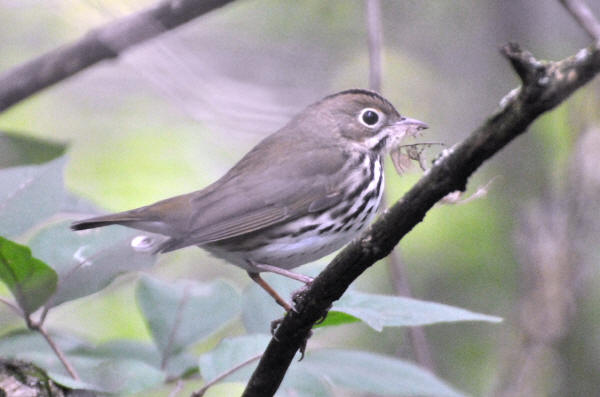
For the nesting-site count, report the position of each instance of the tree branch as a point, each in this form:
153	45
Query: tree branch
545	85
374	42
582	13
106	42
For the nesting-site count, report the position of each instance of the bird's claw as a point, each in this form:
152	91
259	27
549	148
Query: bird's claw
303	345
324	315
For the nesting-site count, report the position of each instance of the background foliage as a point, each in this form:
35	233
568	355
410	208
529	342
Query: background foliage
173	114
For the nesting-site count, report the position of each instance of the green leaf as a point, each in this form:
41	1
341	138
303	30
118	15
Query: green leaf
337	318
30	194
300	382
231	352
29	279
184	312
112	376
18	150
88	261
100	369
177	366
380	311
373	373
21	341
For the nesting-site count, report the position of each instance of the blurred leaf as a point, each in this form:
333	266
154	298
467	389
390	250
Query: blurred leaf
231	352
377	311
121	376
87	261
30	194
30	280
259	309
380	311
377	374
18	150
19	342
177	366
299	381
76	204
337	318
98	368
184	312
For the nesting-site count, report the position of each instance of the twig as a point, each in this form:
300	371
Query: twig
200	392
416	335
584	16
557	80
177	389
106	42
61	356
375	40
12	306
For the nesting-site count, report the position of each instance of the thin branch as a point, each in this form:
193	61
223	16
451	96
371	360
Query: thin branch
418	339
61	356
375	40
200	392
584	16
106	42
12	306
555	82
416	335
177	389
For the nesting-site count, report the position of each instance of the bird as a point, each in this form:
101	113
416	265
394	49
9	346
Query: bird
301	193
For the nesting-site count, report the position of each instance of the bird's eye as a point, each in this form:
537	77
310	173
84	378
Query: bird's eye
369	117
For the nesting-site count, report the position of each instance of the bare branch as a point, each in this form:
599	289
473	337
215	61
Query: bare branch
416	335
375	40
106	42
554	83
418	339
584	16
12	306
201	391
61	356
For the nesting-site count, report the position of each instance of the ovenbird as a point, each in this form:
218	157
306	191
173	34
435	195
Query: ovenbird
300	194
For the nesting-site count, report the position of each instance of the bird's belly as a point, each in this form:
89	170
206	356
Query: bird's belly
293	244
285	252
309	237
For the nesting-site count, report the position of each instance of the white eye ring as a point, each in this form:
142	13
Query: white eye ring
370	118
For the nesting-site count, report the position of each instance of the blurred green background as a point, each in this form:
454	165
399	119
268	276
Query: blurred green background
175	113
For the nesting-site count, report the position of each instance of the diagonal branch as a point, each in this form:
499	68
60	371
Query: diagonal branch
545	85
584	16
106	42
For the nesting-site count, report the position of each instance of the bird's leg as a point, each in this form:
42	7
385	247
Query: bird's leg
277	270
263	284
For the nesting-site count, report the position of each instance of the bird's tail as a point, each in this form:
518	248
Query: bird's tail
121	218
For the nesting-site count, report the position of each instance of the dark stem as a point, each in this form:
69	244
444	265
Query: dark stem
12	306
375	41
200	392
418	339
61	356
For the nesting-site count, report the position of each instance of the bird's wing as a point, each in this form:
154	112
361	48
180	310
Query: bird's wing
247	201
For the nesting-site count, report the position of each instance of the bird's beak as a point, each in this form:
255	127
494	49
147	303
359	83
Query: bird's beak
411	126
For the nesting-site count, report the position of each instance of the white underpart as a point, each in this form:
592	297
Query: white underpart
289	252
396	134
